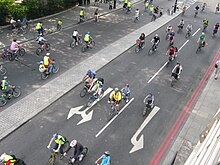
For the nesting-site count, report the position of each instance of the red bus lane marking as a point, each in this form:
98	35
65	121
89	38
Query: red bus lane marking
173	130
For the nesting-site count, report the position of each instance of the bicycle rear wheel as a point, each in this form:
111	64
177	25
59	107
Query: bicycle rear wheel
198	49
3	101
2	70
172	81
55	68
38	51
21	51
73	43
150	52
16	92
51	160
47	46
83	92
137	48
111	114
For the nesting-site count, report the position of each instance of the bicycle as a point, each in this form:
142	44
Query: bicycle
139	45
136	19
82	156
188	34
3	70
12	55
16	92
52	158
196	13
154	17
170	60
215	31
199	48
204	27
180	27
45	46
93	97
55	69
174	78
152	49
86	46
114	111
73	43
84	91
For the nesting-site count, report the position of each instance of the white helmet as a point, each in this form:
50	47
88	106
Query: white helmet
41	62
73	143
156	35
47	54
116	89
5	77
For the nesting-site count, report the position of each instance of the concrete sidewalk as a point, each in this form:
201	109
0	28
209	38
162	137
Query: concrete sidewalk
69	17
201	115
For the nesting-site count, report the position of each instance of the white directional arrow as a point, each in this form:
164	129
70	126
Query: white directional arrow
85	117
139	144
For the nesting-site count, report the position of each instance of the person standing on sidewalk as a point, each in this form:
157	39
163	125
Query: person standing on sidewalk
81	15
125	4
217	66
146	6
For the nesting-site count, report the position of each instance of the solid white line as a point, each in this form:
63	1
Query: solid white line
113	118
157	72
183	45
196	32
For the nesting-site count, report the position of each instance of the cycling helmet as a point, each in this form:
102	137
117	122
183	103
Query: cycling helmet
107	153
55	135
41	62
156	35
89	71
87	32
73	143
116	89
5	77
94	74
127	85
19	20
47	54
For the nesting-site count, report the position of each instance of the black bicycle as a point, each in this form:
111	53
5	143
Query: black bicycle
46	46
85	89
15	92
73	43
152	49
93	97
80	157
188	34
199	48
114	111
12	55
174	78
147	108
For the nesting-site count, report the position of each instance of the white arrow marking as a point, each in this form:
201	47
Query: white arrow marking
86	117
113	118
139	144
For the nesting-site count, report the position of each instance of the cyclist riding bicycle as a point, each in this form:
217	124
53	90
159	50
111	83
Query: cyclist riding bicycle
156	40
189	28
201	40
41	40
81	15
184	8
105	159
176	71
87	38
217	66
217	7
149	100
168	31
6	87
59	141
129	6
14	46
142	40
78	148
75	35
126	92
205	23
216	27
115	97
171	37
97	87
89	78
48	63
181	24
172	52
137	14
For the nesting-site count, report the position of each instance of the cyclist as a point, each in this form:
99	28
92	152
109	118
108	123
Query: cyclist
171	37
115	97
203	6
126	92
39	28
189	28
58	143
105	158
59	24
128	6
201	40
41	40
217	7
184	9
146	5
25	21
89	78
168	30
217	66
6	87
149	100
181	24
8	159
155	41
125	4
176	71
14	46
97	87
142	40
48	62
205	23
216	27
137	14
12	23
172	52
81	15
78	148
75	35
87	38
96	13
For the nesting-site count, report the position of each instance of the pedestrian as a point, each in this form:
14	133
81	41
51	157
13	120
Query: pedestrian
114	6
59	25
110	5
217	66
161	11
146	6
151	9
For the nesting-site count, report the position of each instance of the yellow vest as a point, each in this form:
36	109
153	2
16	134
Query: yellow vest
60	22
38	25
46	62
3	84
147	4
126	1
81	13
87	37
59	138
129	4
8	157
151	8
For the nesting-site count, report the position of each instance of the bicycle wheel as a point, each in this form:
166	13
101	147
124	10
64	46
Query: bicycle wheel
73	43
38	51
80	40
172	81
3	101
55	68
137	48
2	70
150	52
92	44
44	76
66	146
83	92
11	57
83	48
51	160
90	102
16	92
145	111
47	46
111	114
21	51
198	49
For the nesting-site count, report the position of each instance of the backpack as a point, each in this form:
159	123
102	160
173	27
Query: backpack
14	157
101	79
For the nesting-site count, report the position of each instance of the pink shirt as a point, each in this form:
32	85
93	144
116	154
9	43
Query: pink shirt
14	45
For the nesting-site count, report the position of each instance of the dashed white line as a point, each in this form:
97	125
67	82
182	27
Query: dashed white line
113	118
183	45
196	32
157	72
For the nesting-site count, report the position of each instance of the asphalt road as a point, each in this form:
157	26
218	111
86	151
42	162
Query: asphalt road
29	142
111	27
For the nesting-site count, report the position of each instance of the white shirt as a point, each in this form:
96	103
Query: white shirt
12	21
218	63
41	39
75	33
137	13
189	27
